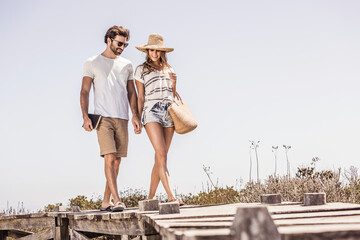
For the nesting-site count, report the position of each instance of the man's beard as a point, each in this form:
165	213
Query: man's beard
114	50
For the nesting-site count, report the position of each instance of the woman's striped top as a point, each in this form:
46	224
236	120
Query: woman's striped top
157	85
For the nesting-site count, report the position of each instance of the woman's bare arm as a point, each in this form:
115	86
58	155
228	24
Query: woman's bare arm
141	96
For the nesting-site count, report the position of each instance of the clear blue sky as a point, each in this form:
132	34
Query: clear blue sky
282	72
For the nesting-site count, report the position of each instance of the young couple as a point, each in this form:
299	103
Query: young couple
112	78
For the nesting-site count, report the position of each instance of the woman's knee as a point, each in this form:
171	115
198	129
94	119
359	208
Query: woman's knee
161	155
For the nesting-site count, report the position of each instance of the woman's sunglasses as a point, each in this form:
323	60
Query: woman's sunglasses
120	43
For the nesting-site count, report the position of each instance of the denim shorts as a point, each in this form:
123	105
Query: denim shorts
159	113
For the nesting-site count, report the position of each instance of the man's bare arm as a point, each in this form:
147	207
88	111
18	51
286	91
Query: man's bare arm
84	102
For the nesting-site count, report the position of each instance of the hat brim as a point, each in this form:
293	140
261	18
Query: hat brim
144	48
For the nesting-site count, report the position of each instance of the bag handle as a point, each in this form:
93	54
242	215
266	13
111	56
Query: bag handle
177	95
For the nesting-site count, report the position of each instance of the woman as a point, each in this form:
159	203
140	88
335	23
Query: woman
156	85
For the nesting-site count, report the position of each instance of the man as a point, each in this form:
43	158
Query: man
112	77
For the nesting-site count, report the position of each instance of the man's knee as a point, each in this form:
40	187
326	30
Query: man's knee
117	161
110	158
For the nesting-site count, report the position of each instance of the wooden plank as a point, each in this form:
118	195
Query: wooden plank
316	214
197	225
71	215
189	220
74	235
319	220
45	234
25	223
105	216
124	215
212	211
64	229
36	215
81	216
313	229
18	233
218	234
15	217
222	210
323	236
319	208
119	227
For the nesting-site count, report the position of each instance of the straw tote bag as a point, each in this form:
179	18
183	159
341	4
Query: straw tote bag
180	113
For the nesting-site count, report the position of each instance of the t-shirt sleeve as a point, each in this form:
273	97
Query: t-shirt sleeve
88	70
137	75
131	72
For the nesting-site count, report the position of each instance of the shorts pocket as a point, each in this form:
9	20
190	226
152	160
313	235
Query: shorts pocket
156	108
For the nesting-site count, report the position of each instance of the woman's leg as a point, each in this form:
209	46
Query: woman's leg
155	179
160	139
154	183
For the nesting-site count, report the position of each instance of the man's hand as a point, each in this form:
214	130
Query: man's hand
87	124
137	124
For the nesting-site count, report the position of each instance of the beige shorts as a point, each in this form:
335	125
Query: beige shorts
113	136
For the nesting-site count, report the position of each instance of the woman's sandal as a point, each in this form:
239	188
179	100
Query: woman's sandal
181	203
118	207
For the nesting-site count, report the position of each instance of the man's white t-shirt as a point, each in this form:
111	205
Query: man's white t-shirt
110	77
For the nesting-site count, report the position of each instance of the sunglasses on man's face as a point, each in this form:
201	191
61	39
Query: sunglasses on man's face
120	44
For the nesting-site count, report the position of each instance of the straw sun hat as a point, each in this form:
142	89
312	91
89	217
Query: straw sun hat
156	41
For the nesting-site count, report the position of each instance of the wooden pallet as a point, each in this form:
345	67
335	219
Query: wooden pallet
288	221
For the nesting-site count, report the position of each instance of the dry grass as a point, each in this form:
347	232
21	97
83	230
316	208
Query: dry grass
291	189
339	186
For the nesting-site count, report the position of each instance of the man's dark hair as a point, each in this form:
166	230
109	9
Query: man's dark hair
117	30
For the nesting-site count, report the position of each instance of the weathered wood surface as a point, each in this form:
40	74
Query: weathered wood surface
169	208
17	233
293	221
47	233
314	199
270	198
127	222
149	205
24	223
201	223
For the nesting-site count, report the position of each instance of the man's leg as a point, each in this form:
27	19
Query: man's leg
111	175
107	195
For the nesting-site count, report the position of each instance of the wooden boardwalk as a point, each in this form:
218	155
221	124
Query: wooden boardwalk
288	221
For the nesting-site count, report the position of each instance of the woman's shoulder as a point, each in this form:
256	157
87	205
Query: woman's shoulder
139	69
168	69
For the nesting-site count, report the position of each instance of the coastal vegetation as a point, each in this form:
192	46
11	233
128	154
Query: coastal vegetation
339	186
